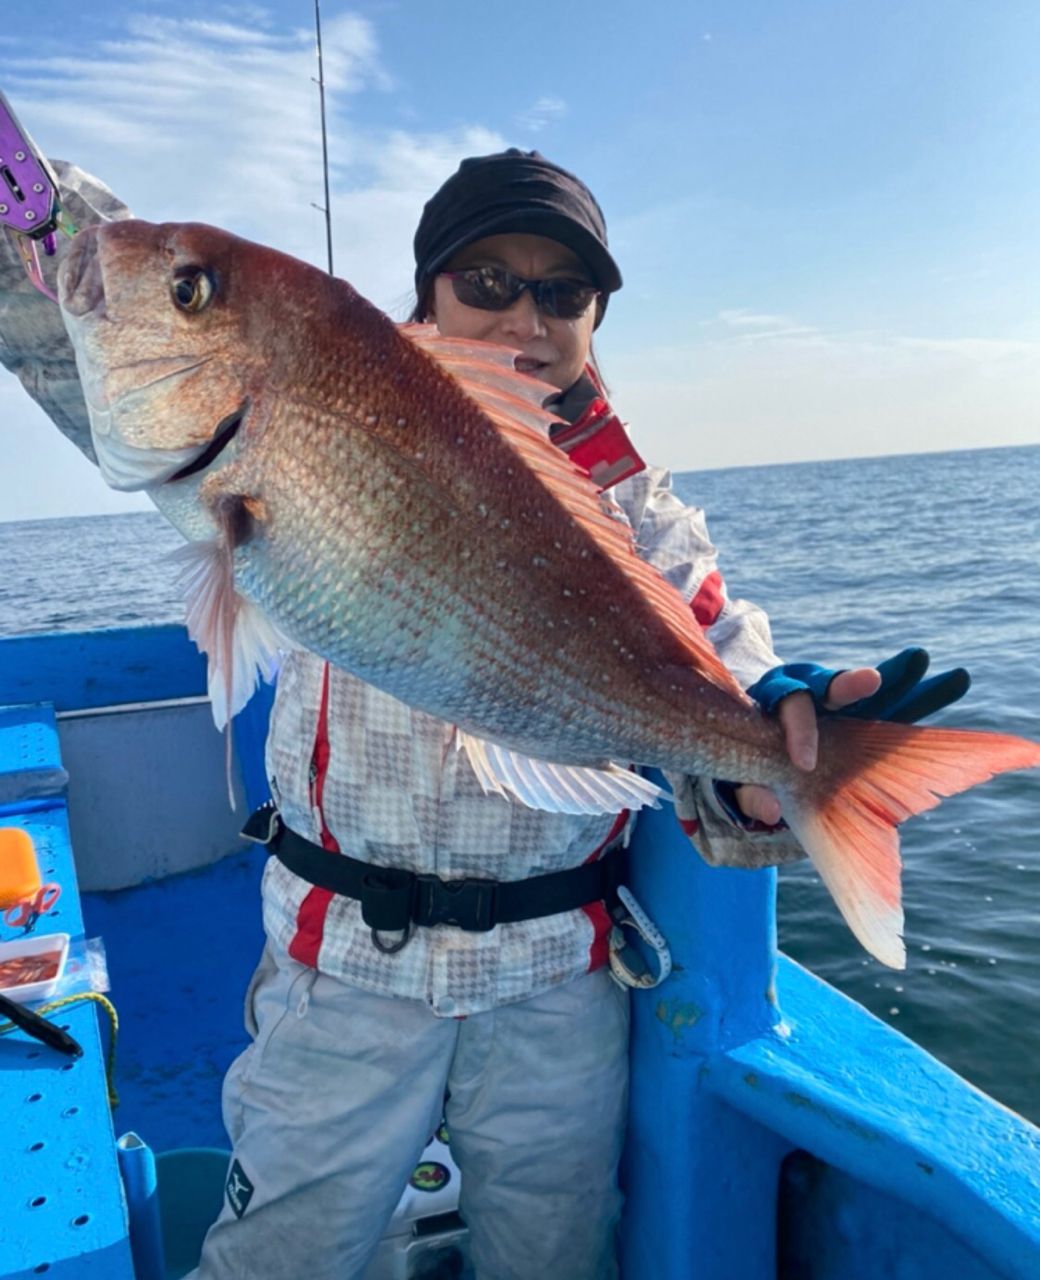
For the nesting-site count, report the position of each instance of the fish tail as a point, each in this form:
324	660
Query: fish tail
846	816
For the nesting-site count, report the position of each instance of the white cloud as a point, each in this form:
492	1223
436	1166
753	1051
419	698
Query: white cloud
253	14
736	326
375	221
720	400
757	327
218	121
541	113
738	318
199	119
981	351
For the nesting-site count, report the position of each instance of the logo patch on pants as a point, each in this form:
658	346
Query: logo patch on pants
239	1189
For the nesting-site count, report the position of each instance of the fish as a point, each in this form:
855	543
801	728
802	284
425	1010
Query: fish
35	347
389	499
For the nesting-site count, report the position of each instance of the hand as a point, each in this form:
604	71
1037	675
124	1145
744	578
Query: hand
797	715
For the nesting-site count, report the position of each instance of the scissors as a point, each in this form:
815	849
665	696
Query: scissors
23	915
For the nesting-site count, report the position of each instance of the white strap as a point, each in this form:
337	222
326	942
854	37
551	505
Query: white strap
630	970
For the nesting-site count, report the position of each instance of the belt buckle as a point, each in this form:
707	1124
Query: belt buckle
468	903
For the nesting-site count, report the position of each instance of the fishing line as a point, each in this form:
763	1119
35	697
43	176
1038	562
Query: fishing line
113	1017
324	136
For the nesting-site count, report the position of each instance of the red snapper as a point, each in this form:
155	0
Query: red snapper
389	499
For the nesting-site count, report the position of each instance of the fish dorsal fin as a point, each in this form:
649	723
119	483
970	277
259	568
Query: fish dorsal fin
513	402
557	788
486	371
240	643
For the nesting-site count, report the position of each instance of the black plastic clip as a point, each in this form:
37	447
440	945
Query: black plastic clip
468	904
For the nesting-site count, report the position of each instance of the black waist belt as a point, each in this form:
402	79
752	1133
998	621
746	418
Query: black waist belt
393	899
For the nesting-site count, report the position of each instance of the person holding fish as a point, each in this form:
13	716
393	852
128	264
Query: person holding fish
442	906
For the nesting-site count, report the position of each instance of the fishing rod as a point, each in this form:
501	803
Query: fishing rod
320	82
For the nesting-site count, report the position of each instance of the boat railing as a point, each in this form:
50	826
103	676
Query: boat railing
798	1134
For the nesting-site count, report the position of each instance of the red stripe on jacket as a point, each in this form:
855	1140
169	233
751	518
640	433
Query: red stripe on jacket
310	919
599	916
710	600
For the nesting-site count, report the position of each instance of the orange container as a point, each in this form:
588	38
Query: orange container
19	870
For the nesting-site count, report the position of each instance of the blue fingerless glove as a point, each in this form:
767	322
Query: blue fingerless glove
903	696
793	677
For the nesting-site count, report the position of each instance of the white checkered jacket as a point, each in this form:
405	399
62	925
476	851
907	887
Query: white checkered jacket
384	783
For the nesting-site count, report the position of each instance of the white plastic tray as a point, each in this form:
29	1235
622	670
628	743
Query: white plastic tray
35	945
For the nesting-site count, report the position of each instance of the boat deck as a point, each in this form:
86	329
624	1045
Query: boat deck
63	1199
182	950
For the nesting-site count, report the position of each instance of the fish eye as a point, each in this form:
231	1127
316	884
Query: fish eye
192	289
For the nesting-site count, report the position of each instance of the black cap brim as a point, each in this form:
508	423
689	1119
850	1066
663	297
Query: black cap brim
539	222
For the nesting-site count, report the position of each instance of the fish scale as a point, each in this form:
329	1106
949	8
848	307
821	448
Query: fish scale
477	654
470	631
390	499
455	605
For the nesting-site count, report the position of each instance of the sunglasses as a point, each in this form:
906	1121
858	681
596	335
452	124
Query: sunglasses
496	289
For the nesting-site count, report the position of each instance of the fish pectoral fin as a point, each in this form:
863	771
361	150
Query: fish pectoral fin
557	788
239	640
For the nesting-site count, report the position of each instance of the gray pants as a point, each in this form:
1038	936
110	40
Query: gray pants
331	1106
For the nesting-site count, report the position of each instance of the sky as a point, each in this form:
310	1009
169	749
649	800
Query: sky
825	211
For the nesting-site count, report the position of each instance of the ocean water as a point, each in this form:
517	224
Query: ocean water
853	560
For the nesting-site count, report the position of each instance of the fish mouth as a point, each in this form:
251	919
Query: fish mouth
227	429
81	284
